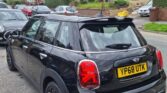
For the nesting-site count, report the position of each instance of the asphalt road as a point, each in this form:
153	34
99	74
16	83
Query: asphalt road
14	82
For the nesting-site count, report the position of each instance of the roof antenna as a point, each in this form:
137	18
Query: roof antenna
100	14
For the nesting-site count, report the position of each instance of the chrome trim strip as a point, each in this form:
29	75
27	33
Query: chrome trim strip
93	52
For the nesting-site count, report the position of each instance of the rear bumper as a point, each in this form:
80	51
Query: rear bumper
158	86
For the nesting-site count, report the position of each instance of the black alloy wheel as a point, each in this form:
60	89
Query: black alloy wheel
10	60
52	88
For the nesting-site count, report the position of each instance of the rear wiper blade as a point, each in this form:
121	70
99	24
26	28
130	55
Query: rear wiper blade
120	46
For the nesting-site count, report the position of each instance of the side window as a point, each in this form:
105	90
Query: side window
31	28
65	37
61	9
47	31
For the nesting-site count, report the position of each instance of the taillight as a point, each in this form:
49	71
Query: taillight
160	59
88	74
65	13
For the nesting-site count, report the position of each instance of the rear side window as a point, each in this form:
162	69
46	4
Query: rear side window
65	37
61	9
47	31
104	37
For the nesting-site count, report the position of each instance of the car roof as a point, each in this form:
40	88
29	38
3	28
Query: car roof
63	6
80	19
7	9
2	2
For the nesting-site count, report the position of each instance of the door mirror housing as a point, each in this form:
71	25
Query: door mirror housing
8	34
16	33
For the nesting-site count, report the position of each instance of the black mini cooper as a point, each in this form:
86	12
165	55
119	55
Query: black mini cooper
69	54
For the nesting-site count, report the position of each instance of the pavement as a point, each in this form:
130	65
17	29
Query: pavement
14	82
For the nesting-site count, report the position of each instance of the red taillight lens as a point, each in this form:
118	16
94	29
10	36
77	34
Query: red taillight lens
88	74
160	59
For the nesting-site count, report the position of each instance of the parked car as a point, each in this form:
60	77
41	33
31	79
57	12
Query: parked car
145	10
70	54
19	6
63	9
3	5
41	9
27	10
10	20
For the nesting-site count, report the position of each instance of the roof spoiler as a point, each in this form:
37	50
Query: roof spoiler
113	19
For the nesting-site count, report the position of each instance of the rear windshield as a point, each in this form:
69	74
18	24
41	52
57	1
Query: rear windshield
12	15
106	37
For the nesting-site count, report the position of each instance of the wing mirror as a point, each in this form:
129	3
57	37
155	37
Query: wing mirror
15	34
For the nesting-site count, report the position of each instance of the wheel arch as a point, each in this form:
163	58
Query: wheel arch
51	75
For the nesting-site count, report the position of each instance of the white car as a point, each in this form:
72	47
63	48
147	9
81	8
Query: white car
145	10
3	5
63	9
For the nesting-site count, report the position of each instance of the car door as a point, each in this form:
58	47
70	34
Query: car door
39	50
20	44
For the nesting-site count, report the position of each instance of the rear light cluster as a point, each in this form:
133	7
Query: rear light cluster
88	74
160	59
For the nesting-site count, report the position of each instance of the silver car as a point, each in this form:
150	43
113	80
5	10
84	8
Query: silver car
64	9
145	10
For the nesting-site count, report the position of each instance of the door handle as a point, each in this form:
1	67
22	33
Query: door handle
42	55
25	47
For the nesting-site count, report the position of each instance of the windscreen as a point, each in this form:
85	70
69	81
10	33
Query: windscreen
3	5
106	37
43	8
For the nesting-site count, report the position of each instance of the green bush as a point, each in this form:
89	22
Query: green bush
76	3
91	0
111	5
13	2
121	3
83	2
54	3
160	3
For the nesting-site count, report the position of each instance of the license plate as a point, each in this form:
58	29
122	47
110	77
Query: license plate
132	70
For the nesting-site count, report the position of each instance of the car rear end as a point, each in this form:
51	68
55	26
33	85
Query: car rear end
118	59
27	11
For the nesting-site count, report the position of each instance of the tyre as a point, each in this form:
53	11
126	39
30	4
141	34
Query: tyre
52	87
10	60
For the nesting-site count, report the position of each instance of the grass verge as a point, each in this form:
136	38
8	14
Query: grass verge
93	5
156	27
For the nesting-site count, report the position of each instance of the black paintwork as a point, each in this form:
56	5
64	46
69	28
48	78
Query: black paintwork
60	64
